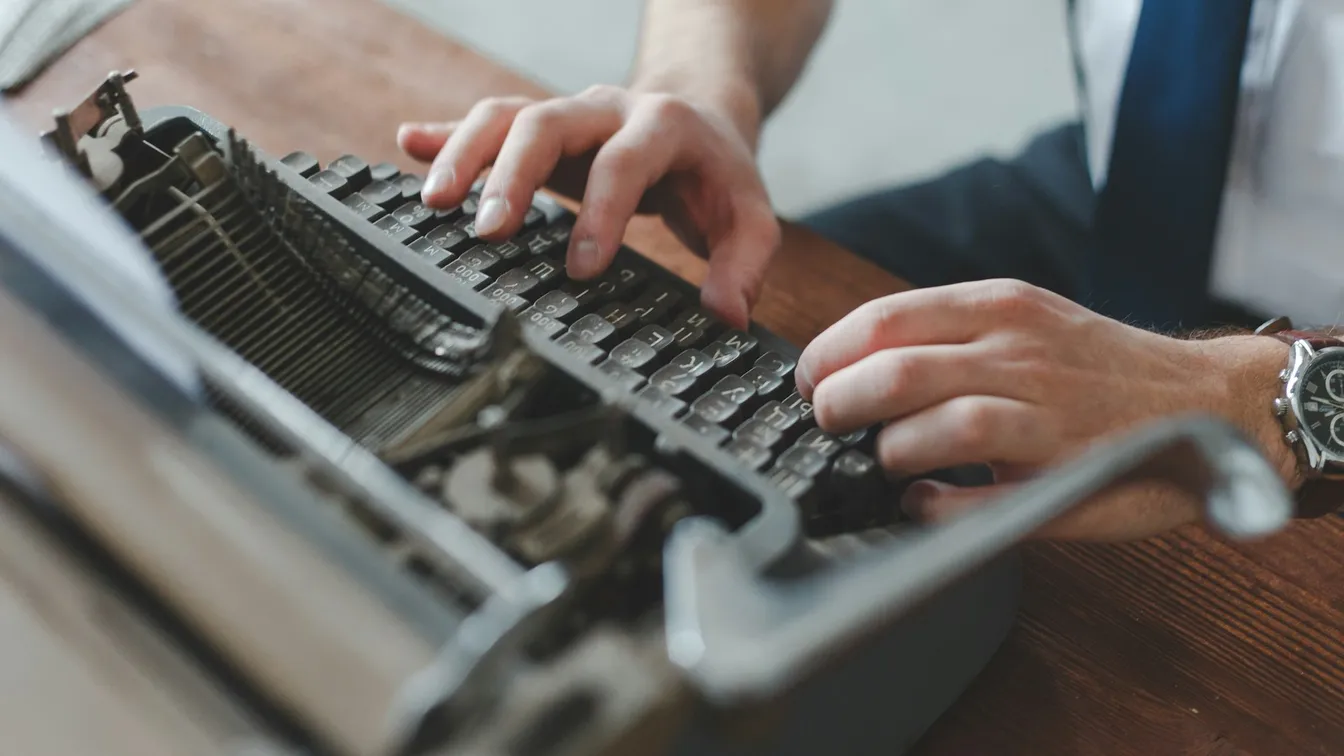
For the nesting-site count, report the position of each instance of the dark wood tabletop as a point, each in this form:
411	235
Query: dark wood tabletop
1183	644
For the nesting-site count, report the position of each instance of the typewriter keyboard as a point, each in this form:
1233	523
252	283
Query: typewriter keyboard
641	326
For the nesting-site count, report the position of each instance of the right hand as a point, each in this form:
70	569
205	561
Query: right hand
623	152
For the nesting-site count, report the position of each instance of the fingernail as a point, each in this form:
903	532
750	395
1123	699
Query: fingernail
429	126
436	183
804	381
586	258
490	216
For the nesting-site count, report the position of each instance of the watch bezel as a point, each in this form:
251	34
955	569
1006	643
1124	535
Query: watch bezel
1317	458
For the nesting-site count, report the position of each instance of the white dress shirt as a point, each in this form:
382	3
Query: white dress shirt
1280	240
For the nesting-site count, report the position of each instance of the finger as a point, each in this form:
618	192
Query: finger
953	314
1125	514
423	141
934	501
471	147
634	159
894	383
738	263
541	135
968	430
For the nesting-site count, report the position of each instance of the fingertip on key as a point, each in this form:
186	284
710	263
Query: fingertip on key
491	215
436	184
585	259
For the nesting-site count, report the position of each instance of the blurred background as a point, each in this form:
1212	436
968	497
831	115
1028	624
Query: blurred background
897	89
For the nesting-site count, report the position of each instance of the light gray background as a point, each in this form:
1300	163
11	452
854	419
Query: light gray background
896	90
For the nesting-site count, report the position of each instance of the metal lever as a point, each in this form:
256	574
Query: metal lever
742	636
109	100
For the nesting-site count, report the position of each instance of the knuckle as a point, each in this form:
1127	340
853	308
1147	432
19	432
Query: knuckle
872	318
493	108
900	373
763	226
973	421
1014	300
539	118
603	93
617	159
668	110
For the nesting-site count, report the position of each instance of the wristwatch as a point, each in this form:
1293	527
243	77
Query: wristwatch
1311	410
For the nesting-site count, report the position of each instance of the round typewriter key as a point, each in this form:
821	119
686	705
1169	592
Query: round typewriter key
821	442
774	362
305	164
384	172
353	168
410	186
332	183
384	194
758	432
751	455
802	461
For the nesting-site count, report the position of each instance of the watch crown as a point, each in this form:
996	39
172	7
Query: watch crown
1280	406
1292	437
1283	375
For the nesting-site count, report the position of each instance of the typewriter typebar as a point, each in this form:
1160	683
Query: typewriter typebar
421	493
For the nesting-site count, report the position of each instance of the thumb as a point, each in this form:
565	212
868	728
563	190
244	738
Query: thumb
935	501
1130	513
932	501
423	141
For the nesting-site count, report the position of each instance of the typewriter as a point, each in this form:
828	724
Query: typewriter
316	471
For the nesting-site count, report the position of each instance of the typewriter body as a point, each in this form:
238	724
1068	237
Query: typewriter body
312	488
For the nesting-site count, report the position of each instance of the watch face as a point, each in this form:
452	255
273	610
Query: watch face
1321	392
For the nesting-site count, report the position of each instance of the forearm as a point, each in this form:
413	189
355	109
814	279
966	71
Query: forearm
739	56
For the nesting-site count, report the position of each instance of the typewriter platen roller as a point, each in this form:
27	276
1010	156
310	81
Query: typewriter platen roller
397	518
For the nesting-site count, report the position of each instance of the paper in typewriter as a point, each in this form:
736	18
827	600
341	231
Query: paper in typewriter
91	251
35	32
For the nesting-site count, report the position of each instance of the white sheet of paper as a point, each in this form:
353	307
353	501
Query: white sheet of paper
34	32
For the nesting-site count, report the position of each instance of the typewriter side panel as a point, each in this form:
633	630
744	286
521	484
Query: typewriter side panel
249	585
82	672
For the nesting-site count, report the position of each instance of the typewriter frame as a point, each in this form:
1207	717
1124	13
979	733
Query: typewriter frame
740	629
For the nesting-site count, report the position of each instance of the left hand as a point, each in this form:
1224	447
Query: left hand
1016	377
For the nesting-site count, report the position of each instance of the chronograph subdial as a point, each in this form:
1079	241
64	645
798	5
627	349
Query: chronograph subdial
1322	403
1334	384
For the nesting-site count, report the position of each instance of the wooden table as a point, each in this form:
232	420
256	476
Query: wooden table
1178	645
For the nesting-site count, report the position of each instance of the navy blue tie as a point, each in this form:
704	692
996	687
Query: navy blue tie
1157	214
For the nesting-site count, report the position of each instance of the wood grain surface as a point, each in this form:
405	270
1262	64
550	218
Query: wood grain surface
1178	645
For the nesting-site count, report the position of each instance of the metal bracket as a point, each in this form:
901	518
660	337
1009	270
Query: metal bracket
741	636
93	116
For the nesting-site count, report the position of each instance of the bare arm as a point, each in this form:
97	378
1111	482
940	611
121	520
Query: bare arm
739	56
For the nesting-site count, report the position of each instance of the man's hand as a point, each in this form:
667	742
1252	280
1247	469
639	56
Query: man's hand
622	151
1007	374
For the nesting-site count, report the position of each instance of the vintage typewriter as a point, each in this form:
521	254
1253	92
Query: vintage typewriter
370	486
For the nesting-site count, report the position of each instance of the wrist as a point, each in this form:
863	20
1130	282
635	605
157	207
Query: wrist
1249	367
734	99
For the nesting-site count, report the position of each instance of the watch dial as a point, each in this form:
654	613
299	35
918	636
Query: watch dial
1322	395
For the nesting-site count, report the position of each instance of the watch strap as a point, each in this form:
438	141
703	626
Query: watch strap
1318	496
1316	340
